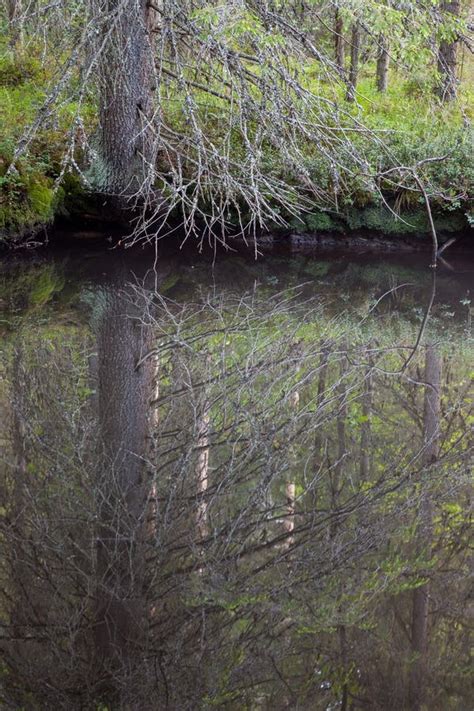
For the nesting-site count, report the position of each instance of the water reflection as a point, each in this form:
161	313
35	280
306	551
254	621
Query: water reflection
235	489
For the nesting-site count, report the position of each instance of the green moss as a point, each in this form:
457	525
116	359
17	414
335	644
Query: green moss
22	290
25	201
168	283
73	199
379	219
321	221
40	196
46	285
414	222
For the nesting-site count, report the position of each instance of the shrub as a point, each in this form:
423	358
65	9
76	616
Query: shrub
15	70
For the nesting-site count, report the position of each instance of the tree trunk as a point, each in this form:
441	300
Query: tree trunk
202	469
126	157
337	484
339	40
318	438
343	653
447	58
354	68
15	25
289	520
290	486
366	428
383	61
124	394
337	479
420	610
23	599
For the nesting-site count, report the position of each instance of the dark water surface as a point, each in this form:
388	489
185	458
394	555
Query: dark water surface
236	484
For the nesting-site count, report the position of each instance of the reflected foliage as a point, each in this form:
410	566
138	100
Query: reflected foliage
231	497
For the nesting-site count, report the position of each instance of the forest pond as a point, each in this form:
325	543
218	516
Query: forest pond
236	485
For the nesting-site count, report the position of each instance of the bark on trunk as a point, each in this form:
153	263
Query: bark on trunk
337	483
290	486
318	439
289	520
354	68
343	653
202	469
420	610
383	61
341	439
447	58
339	40
21	612
366	428
123	401
126	68
15	29
337	471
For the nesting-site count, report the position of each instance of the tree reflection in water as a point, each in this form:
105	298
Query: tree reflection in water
236	500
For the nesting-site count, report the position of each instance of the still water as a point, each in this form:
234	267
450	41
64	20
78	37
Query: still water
236	484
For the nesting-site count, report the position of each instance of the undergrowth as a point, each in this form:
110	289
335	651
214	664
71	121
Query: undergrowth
410	121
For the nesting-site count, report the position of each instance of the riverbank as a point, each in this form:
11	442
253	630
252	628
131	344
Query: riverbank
408	234
47	184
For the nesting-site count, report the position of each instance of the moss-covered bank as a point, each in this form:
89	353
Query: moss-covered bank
412	223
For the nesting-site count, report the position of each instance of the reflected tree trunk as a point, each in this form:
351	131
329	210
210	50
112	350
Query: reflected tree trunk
124	394
202	469
290	486
343	652
318	441
337	479
23	603
154	421
420	610
337	484
289	520
152	510
366	427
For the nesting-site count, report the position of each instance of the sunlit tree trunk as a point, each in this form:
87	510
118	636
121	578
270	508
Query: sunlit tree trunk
354	67
125	159
289	521
447	57
383	61
290	486
202	469
420	610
